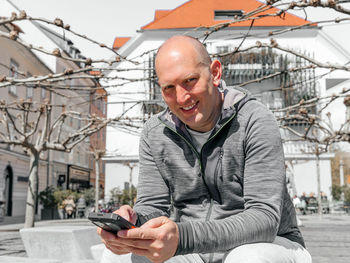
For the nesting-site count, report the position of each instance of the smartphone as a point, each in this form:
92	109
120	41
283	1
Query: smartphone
110	222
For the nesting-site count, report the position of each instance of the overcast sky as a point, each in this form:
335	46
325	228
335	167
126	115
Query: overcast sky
103	20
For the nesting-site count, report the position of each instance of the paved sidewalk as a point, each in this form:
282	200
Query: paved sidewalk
327	238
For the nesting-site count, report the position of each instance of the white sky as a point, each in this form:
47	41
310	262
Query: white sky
103	20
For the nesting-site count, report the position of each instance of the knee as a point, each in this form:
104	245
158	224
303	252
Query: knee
249	254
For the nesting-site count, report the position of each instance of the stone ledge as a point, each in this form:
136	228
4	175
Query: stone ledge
7	259
65	243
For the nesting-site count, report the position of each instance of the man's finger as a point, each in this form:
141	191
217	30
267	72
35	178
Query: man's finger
138	233
106	235
118	250
136	243
154	222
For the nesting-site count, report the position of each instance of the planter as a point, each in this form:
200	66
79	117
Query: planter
49	214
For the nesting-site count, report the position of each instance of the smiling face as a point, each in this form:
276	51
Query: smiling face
189	83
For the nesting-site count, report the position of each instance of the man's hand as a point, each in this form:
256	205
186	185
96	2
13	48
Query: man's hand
111	240
157	239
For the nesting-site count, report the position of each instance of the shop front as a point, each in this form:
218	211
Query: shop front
78	178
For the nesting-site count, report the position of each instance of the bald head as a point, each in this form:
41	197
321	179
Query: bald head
186	47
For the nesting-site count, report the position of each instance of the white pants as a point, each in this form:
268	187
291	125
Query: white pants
282	250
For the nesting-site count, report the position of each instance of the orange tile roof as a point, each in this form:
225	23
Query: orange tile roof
119	42
196	13
161	13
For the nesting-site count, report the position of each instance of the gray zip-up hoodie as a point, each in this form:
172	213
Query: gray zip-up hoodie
230	193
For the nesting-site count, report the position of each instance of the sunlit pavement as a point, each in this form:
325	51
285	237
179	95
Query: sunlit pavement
327	237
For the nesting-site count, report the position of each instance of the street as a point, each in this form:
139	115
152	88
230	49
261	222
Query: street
327	238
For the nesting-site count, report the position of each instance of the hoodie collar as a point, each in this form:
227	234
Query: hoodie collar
234	99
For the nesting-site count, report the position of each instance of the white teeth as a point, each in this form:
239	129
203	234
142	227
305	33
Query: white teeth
189	107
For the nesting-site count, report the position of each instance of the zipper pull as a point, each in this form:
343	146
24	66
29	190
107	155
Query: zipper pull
221	153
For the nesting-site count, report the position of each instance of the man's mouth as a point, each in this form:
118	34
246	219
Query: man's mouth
190	107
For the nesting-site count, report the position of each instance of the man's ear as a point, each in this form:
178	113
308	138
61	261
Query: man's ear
216	72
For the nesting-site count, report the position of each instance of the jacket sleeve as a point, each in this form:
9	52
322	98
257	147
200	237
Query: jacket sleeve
263	189
153	196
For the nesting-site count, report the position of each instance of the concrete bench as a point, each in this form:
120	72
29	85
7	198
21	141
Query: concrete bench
103	255
9	259
63	243
97	251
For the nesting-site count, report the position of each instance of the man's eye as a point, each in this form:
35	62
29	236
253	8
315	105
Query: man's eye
190	81
166	88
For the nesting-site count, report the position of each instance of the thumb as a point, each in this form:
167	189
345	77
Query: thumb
127	212
154	222
124	214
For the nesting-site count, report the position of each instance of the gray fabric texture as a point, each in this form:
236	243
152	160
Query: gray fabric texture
230	193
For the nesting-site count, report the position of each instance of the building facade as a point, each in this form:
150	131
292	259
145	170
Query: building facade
17	62
82	95
196	18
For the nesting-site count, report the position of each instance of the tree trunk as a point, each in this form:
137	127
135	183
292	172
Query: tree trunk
341	175
32	191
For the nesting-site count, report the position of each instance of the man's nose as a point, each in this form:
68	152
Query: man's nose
182	95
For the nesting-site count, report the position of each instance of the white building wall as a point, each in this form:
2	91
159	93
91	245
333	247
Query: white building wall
305	177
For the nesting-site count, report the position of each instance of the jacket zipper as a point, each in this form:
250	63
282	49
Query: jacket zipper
216	173
199	157
211	199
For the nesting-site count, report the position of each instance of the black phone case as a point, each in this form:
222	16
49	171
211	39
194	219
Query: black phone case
110	222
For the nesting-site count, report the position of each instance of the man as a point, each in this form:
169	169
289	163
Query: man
213	162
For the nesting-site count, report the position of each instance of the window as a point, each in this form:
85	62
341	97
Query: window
13	74
222	49
11	134
98	103
29	90
11	130
43	93
227	14
103	107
